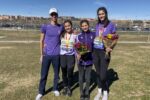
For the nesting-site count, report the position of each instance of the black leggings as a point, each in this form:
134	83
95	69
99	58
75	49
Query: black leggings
67	63
84	73
101	66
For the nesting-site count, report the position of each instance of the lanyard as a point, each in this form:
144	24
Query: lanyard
101	31
67	39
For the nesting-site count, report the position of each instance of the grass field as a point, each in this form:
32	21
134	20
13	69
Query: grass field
20	69
19	35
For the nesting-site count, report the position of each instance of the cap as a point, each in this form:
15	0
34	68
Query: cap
53	10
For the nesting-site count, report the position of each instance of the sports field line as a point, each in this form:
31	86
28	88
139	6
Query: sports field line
121	42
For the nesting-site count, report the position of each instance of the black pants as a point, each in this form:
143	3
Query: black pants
101	66
84	73
67	63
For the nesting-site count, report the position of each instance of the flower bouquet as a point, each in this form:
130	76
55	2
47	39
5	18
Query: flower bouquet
82	48
108	41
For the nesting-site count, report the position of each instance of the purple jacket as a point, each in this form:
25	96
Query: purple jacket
86	38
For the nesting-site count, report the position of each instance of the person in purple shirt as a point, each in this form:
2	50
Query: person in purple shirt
85	60
50	51
103	28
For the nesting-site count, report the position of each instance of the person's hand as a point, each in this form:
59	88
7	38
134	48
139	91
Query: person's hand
78	57
41	59
108	49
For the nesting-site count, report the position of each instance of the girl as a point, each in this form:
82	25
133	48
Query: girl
85	60
103	28
67	56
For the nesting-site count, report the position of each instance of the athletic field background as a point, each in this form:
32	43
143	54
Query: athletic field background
128	73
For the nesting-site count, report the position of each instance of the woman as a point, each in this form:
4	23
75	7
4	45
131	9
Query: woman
67	56
85	59
103	28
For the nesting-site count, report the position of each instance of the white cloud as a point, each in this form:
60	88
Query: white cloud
100	3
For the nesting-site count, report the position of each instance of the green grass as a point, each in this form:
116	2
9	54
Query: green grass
20	72
126	37
34	35
20	35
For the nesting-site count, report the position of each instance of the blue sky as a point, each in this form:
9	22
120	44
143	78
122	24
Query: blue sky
117	9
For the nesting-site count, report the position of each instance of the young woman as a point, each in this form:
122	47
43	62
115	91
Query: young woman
85	60
103	28
50	52
67	56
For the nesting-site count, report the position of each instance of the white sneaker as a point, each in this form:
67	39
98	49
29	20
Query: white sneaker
38	97
99	94
56	93
105	95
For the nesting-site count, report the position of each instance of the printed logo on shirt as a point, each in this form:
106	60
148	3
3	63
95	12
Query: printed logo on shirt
91	37
98	42
81	37
59	31
67	45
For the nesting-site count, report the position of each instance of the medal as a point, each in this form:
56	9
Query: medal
101	30
67	40
100	38
67	43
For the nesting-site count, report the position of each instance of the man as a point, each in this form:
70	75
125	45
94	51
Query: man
50	50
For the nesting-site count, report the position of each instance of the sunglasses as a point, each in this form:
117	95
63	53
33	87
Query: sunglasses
54	14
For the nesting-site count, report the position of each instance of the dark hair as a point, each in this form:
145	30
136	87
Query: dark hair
106	20
84	21
63	32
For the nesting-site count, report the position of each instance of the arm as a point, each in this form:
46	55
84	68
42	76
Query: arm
42	43
110	47
113	44
114	37
107	45
77	54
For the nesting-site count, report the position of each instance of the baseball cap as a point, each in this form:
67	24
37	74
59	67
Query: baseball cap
53	10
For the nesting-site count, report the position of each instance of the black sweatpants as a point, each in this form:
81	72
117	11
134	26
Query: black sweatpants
67	63
101	66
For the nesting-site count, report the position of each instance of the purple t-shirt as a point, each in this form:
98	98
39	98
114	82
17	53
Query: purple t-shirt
52	38
109	29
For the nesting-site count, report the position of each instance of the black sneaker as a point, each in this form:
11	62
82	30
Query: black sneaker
64	91
82	97
69	93
86	97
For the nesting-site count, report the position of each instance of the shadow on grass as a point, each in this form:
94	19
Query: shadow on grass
112	76
92	84
60	85
75	83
